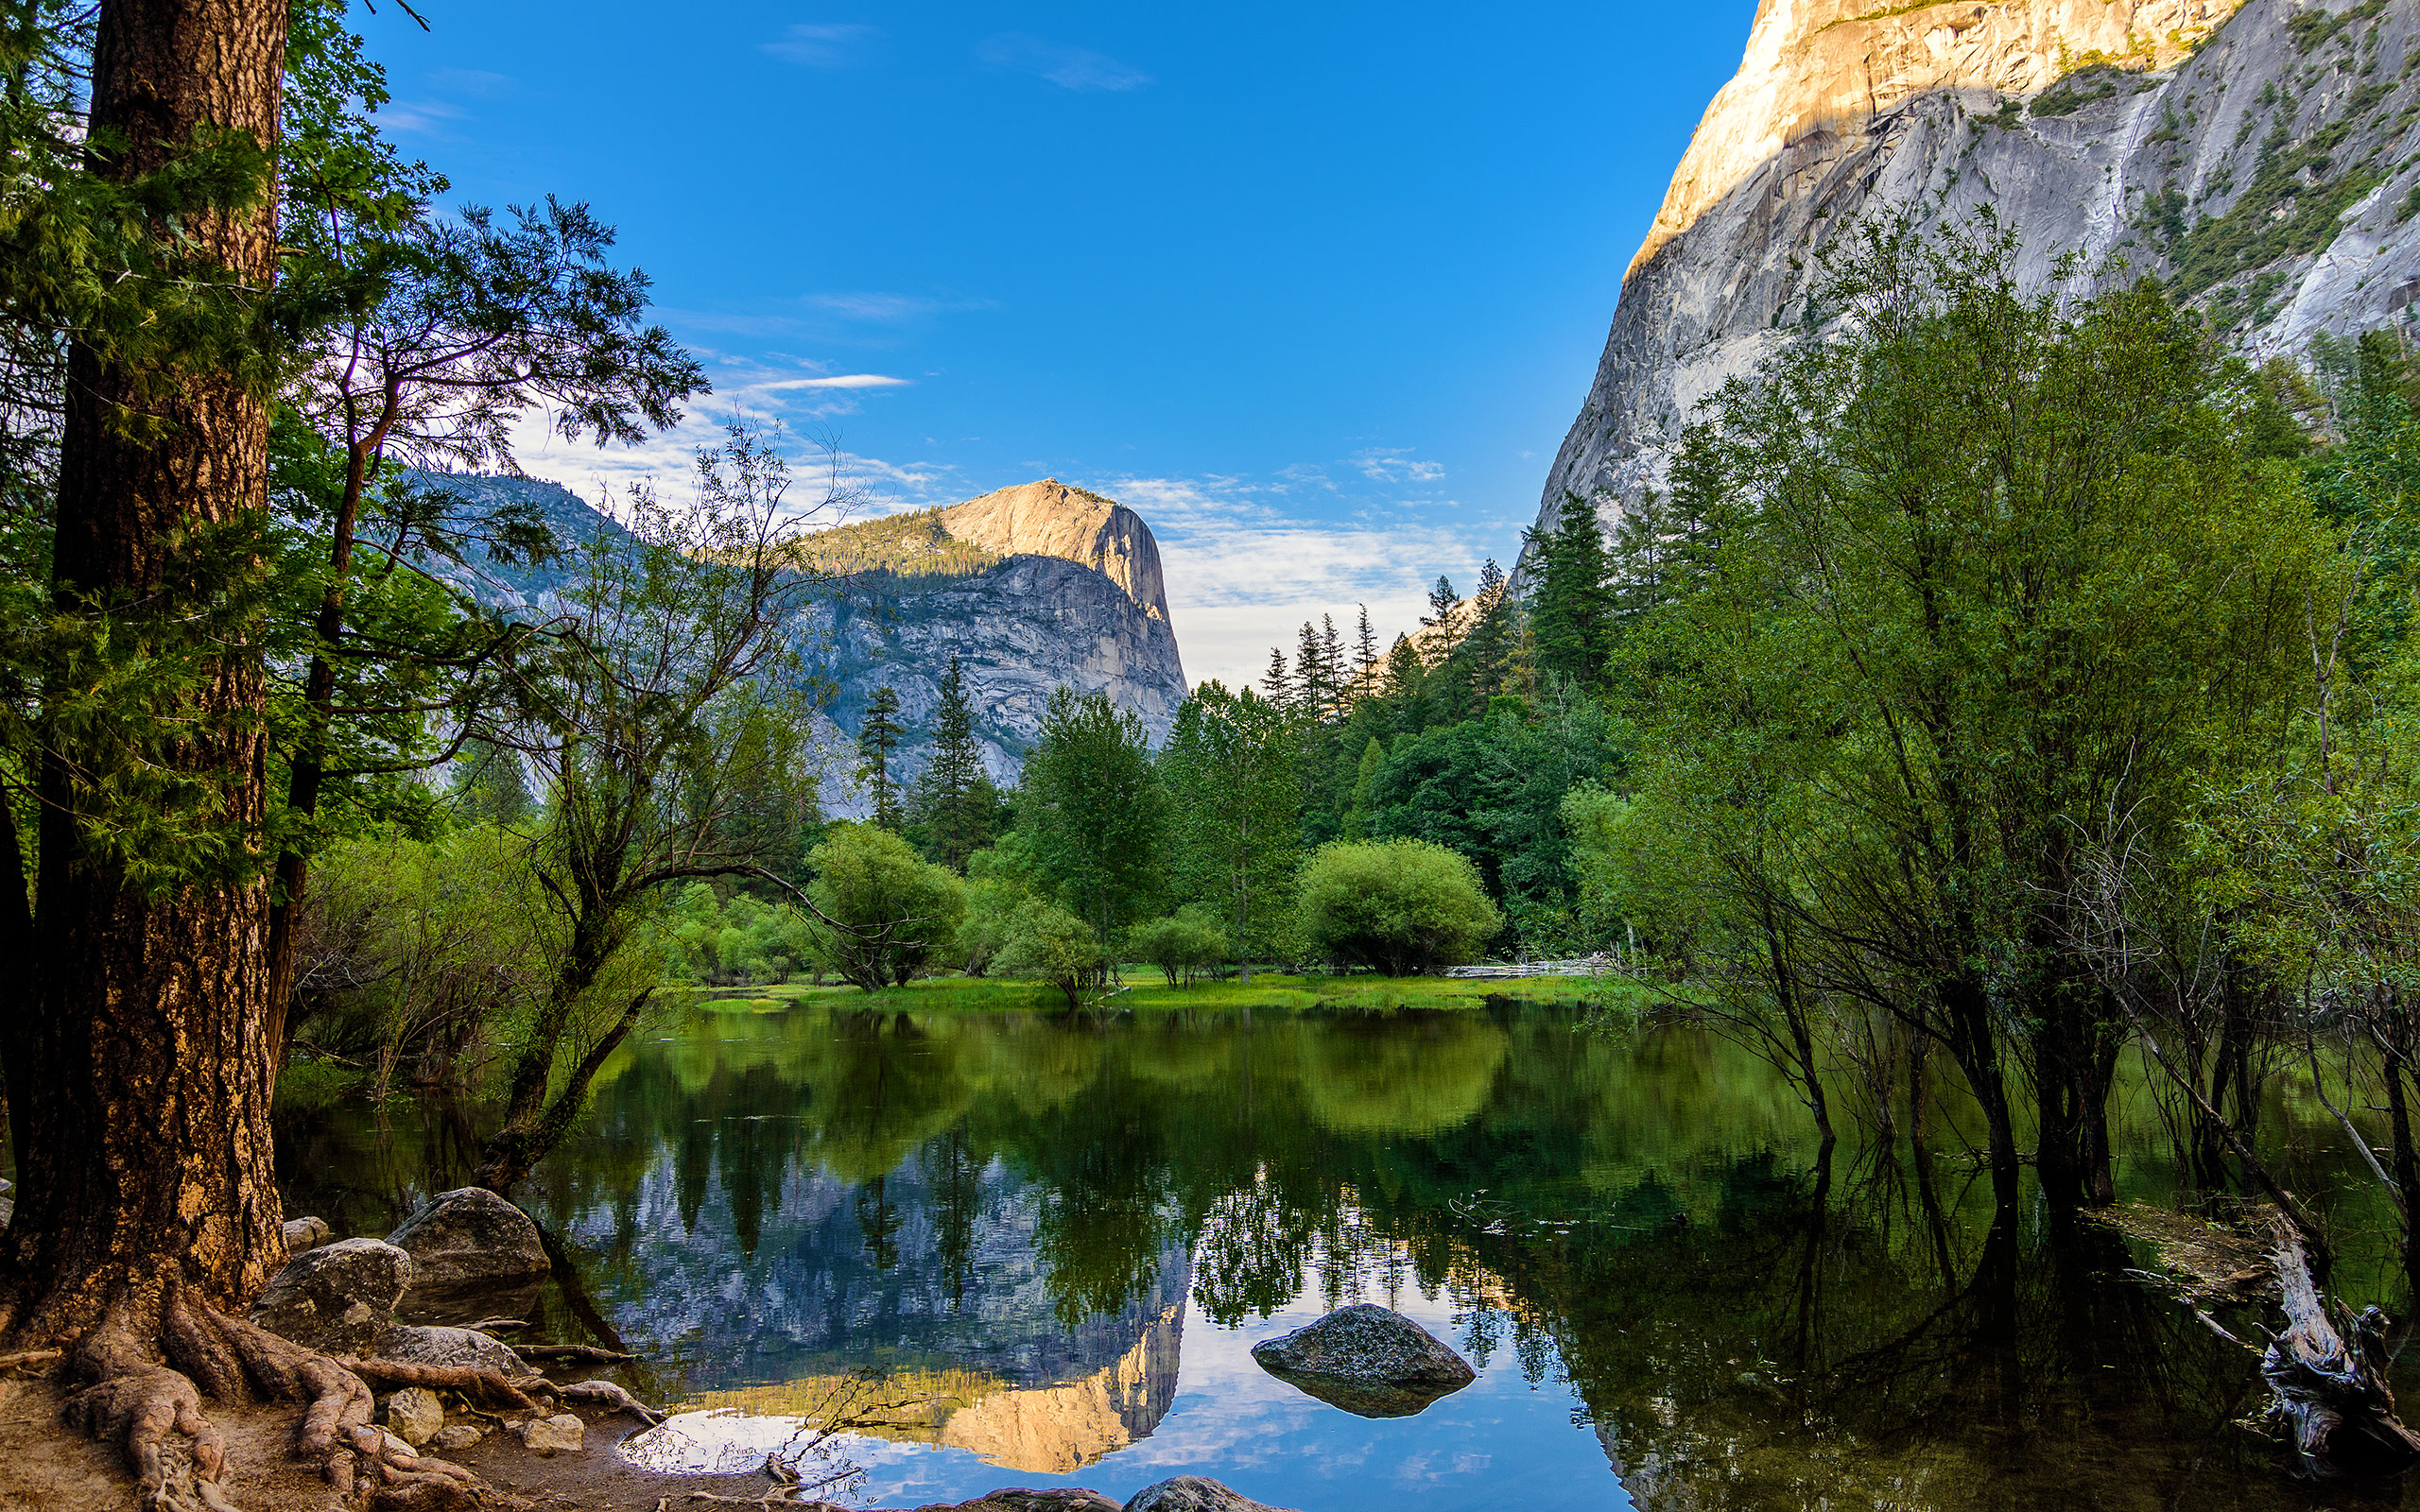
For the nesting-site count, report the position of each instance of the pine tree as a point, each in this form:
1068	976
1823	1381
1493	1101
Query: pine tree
1277	682
1641	556
1487	643
1310	677
1571	603
1331	655
952	794
1442	602
1404	668
1365	651
877	737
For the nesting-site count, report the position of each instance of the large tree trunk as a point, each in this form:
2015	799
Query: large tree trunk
138	1056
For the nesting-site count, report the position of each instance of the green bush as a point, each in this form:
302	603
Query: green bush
992	907
896	910
1402	907
1179	945
1046	941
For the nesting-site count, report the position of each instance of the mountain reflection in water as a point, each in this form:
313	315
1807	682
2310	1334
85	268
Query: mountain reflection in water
1051	1240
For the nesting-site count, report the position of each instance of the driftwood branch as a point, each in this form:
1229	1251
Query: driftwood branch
575	1354
2329	1380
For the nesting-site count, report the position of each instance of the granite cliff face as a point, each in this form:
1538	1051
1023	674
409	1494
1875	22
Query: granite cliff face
2257	156
1030	588
1071	594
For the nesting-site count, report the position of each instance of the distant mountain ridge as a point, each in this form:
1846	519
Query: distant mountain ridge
1030	587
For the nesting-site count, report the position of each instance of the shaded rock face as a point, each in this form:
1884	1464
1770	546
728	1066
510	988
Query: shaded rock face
1077	598
1843	109
1367	1360
469	1237
339	1299
1019	629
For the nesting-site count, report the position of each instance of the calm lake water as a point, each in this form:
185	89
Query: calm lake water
1053	1243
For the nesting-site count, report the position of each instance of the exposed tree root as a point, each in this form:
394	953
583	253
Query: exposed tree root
29	1359
606	1394
485	1388
152	1410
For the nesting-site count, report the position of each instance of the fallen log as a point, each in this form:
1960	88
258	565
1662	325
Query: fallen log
2328	1377
576	1353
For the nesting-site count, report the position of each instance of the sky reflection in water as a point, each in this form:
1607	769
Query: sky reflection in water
1062	1238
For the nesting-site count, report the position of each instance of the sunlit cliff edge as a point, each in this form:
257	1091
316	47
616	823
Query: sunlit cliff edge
2258	159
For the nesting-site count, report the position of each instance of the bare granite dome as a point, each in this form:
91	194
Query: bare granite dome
1050	519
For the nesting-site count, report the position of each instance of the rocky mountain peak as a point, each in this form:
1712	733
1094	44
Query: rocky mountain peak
1054	518
1819	65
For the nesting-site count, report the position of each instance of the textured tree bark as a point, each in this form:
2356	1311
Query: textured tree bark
137	1048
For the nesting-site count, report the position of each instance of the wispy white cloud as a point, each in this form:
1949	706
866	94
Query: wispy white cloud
821	46
1395	464
1245	570
864	320
844	380
477	83
1074	68
420	117
890	309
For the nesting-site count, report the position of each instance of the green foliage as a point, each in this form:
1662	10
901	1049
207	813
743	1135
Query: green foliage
2313	28
1996	587
1093	811
886	912
992	905
1400	906
1231	773
2078	89
1571	601
879	735
1181	945
1047	942
911	545
2281	214
422	952
735	940
1492	788
954	799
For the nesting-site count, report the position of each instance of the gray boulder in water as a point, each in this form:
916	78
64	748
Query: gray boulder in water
1367	1360
471	1237
1195	1493
340	1297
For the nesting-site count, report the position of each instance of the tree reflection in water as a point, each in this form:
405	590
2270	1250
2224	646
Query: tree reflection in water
1020	1207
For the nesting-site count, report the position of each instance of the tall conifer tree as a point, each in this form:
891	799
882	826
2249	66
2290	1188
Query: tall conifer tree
877	737
1277	682
1571	605
952	794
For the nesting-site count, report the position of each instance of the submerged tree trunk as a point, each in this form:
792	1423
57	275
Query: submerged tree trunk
138	1048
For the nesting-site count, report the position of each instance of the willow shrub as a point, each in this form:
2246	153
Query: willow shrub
1401	906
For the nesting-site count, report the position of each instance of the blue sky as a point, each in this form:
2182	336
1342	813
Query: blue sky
1316	289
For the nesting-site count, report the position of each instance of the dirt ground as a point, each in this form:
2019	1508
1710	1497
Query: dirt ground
44	1467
